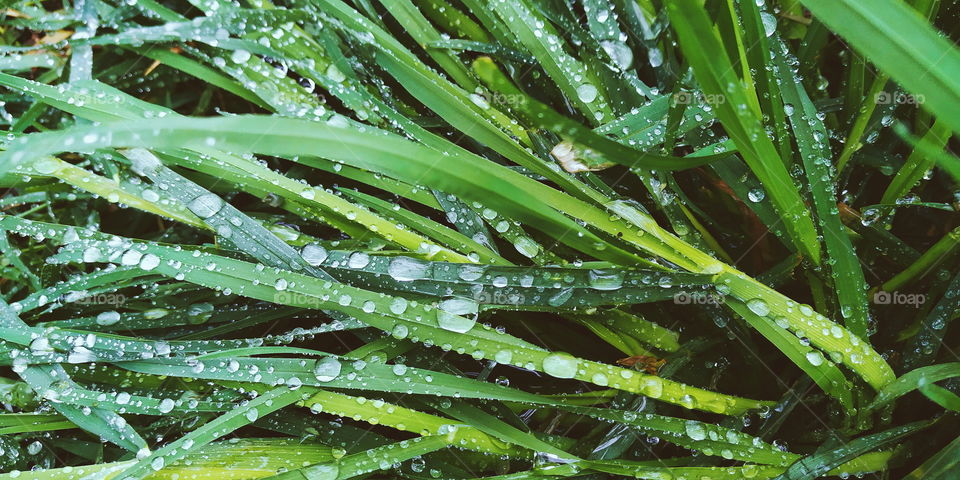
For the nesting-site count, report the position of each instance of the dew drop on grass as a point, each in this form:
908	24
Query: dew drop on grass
756	195
470	273
457	314
527	247
206	205
400	331
335	74
655	57
504	357
479	101
81	355
587	93
240	56
788	109
695	430
398	305
34	447
252	415
131	257
605	279
560	297
358	260
560	365
758	306
619	52
108	318
652	386
313	254
149	261
769	23
815	358
166	405
157	464
327	369
324	472
404	269
91	254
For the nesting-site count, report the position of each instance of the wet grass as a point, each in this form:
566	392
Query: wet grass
327	239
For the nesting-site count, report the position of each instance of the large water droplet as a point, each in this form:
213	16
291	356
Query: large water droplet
587	92
758	306
815	358
560	365
406	269
206	205
695	430
457	314
313	254
327	369
605	279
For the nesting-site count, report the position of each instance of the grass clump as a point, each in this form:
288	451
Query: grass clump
328	239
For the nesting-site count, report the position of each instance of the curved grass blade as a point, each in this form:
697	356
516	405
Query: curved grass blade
901	42
819	464
913	380
715	72
238	417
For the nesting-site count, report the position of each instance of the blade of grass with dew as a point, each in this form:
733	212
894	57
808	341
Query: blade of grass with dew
900	41
819	464
715	74
810	134
100	422
500	182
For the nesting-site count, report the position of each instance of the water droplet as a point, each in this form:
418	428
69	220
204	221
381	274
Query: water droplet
769	23
526	246
756	195
206	205
358	260
560	365
240	56
605	279
405	269
398	305
457	314
166	405
619	52
587	93
695	430
758	306
108	318
327	369
324	472
313	254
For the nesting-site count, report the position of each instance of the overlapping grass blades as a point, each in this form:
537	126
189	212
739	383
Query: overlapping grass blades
417	238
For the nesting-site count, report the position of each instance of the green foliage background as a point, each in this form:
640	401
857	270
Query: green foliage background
331	239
